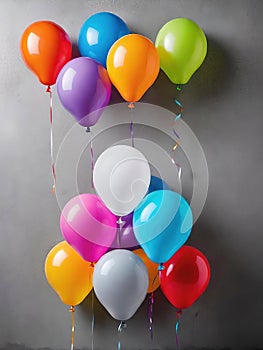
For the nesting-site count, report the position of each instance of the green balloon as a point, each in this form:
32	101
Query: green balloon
182	47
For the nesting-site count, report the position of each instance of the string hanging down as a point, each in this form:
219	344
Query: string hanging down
121	326
72	310
177	116
178	319
53	171
131	106
92	318
150	314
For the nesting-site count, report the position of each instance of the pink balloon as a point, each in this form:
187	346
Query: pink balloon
88	226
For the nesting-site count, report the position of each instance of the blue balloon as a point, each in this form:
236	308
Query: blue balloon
162	223
157	184
98	34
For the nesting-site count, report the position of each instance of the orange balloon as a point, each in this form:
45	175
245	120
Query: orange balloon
45	48
153	273
68	274
133	65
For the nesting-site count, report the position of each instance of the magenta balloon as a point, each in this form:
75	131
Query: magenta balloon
84	89
88	226
126	239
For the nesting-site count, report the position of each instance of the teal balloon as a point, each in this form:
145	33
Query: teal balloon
162	223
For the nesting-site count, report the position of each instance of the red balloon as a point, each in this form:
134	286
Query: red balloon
185	277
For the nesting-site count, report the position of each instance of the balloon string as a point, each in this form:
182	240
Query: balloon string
92	319
131	106
121	326
92	163
72	310
120	224
177	116
178	319
150	314
51	139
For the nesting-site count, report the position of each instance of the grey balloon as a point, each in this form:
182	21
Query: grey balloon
120	281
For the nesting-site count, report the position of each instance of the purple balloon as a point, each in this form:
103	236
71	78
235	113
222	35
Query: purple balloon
84	89
125	238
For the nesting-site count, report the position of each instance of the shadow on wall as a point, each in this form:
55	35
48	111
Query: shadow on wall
214	77
211	80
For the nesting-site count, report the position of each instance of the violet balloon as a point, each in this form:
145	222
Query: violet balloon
88	226
125	238
84	89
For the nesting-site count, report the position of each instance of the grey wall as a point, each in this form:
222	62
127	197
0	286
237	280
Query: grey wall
223	106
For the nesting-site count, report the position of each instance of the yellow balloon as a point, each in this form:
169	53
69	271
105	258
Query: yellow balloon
68	274
152	268
182	47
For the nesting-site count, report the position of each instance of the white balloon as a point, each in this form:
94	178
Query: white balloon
121	178
120	282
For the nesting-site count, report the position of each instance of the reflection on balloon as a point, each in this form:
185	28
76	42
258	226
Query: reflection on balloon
84	89
120	282
185	277
121	178
182	48
45	48
98	33
68	274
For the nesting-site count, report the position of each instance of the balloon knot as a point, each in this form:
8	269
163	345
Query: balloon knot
48	88
178	88
161	267
119	221
71	309
131	105
92	264
88	129
122	326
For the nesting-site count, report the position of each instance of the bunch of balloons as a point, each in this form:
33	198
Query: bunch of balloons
128	238
133	231
110	54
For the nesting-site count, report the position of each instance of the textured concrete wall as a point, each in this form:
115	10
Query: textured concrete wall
223	107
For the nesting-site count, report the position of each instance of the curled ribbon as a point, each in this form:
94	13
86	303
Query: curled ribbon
150	313
177	116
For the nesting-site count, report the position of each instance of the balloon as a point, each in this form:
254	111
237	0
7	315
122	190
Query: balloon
45	48
121	178
120	283
185	277
133	66
84	89
152	268
157	184
68	274
99	33
162	223
125	238
182	47
88	226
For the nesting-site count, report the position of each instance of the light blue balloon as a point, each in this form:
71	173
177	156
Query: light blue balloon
162	223
99	33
